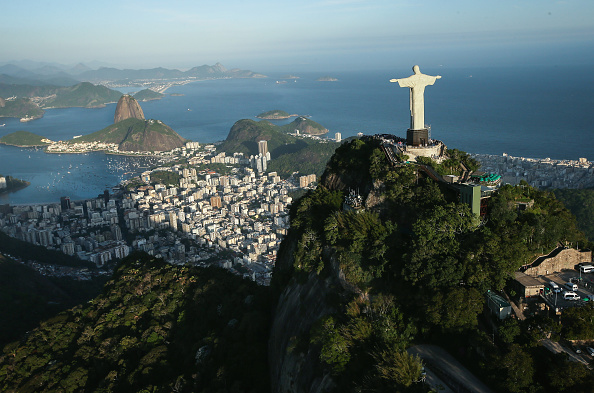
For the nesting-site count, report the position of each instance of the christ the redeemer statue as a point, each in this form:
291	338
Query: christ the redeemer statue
417	83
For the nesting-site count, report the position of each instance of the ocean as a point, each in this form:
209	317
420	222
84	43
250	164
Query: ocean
529	112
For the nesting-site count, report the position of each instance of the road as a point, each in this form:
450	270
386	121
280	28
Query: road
450	371
555	347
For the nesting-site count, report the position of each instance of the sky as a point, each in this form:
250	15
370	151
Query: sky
314	35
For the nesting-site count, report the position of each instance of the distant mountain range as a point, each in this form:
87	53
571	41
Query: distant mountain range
62	76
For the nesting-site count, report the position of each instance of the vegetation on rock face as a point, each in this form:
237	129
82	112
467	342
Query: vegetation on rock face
23	138
155	328
416	262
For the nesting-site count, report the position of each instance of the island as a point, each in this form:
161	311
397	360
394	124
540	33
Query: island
276	114
289	76
326	79
148	95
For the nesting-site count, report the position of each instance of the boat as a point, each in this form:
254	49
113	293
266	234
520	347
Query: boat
2	125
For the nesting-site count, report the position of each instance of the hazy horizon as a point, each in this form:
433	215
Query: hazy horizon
267	36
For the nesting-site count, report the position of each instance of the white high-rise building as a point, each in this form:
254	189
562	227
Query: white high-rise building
262	147
338	137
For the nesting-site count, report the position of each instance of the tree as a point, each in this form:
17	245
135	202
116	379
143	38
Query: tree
517	369
334	349
455	309
509	330
578	322
398	367
564	375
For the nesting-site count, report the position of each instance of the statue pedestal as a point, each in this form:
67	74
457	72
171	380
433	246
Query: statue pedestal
417	137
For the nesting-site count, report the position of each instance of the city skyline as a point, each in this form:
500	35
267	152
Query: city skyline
313	35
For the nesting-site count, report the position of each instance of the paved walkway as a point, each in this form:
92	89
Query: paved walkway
452	372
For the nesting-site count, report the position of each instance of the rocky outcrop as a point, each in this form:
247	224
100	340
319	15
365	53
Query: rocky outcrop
127	108
292	368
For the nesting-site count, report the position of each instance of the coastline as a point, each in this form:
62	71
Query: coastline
24	146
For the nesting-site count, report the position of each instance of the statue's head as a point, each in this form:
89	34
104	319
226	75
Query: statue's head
416	69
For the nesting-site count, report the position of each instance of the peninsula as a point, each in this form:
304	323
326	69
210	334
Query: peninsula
24	139
10	184
130	133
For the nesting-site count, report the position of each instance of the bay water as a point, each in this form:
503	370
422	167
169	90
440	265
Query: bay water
529	112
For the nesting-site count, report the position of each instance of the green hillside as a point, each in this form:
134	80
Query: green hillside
411	266
26	90
288	153
23	138
84	94
148	95
137	135
27	297
155	328
311	159
19	108
245	134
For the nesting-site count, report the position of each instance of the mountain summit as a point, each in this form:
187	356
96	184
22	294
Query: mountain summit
127	108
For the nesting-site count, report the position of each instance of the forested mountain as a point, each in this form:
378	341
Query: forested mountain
29	297
357	286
